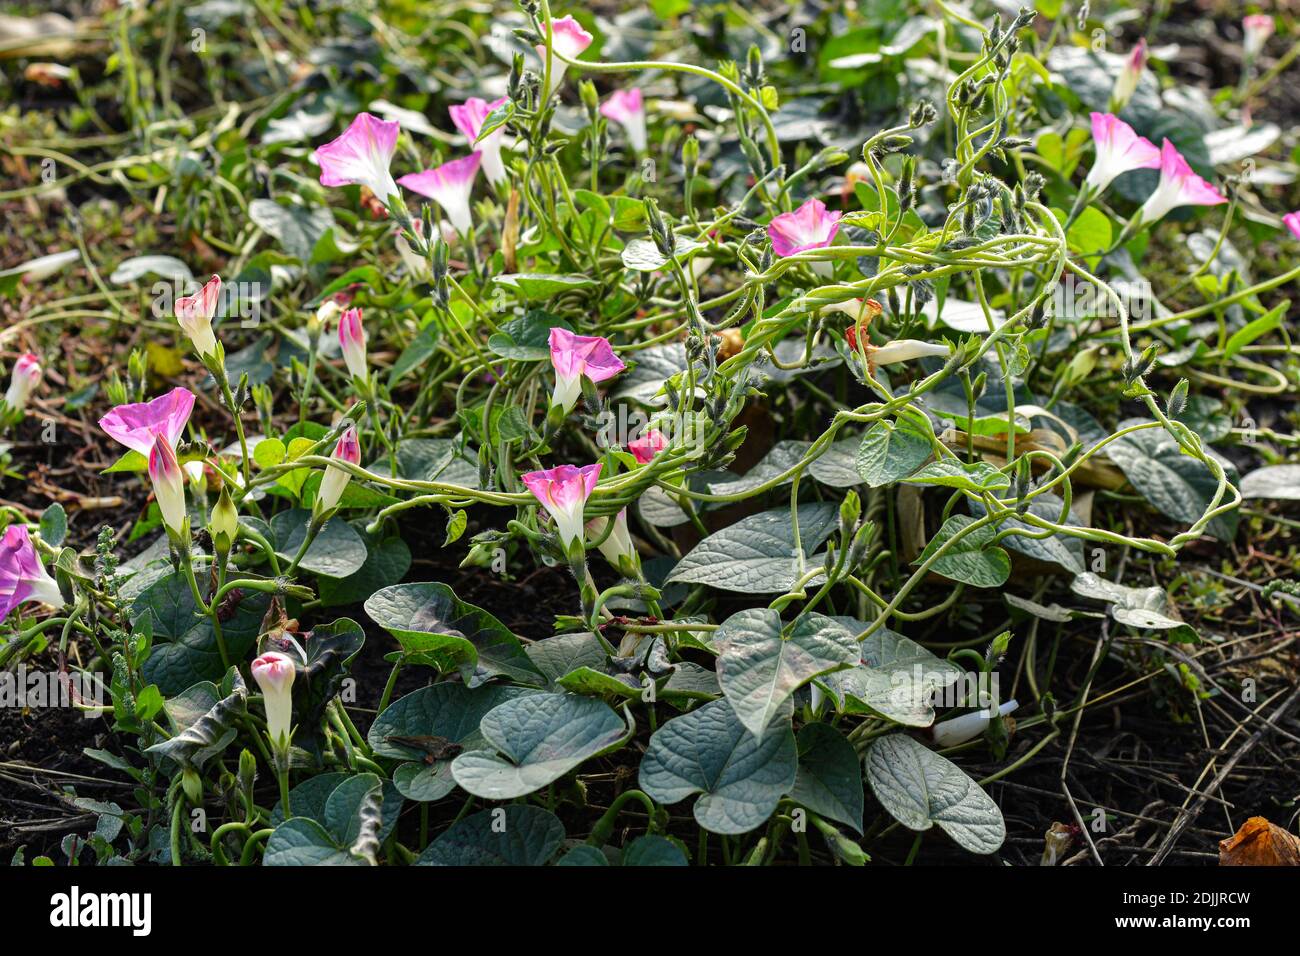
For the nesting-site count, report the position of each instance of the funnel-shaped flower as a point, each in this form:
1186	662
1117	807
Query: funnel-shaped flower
449	186
575	356
617	546
361	156
274	673
469	117
1256	30
22	575
627	108
1179	186
352	340
26	376
137	425
1119	150
904	350
195	312
650	443
568	39
347	449
1292	220
958	730
808	227
563	492
168	483
1127	82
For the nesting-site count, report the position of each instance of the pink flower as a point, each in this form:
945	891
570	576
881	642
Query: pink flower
22	575
1257	28
1119	150
352	340
574	356
563	492
1127	82
568	39
1179	186
347	449
136	426
26	376
168	483
808	227
195	312
651	443
274	673
626	108
469	118
449	186
361	156
1292	220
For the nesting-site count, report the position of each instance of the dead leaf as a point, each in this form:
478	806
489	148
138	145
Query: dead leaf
1260	843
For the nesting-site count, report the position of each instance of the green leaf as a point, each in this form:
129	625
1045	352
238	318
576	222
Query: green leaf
337	552
537	286
837	466
540	738
897	679
919	788
1143	608
756	554
976	477
193	743
973	559
563	654
137	267
741	778
783	456
891	451
1273	482
386	563
1256	328
296	228
304	842
1090	234
527	339
334	799
54	525
1059	549
446	710
516	835
759	666
421	349
829	781
436	628
642	255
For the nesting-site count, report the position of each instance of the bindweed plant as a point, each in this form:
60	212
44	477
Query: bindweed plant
784	458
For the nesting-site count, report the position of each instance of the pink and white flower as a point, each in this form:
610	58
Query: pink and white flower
26	376
1256	30
168	484
22	575
361	156
650	443
617	546
627	108
449	186
195	312
347	449
1292	221
469	118
137	425
808	227
1127	82
274	673
352	340
574	356
1179	186
563	492
1119	149
568	39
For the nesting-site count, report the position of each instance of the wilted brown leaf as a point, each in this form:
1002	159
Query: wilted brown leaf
1260	843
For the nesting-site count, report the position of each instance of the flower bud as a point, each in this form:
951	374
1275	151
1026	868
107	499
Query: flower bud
168	484
336	479
223	523
958	730
274	673
26	376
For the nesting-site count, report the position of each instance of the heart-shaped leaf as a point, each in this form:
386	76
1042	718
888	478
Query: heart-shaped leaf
337	552
973	558
517	835
829	781
891	451
756	555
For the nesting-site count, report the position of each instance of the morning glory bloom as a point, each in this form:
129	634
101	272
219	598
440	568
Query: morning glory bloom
348	449
1292	220
901	350
137	425
352	340
195	312
26	376
274	673
574	356
808	227
1179	186
563	492
22	575
1119	150
568	39
449	186
626	107
361	156
958	730
168	484
617	547
650	443
1256	29
469	118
